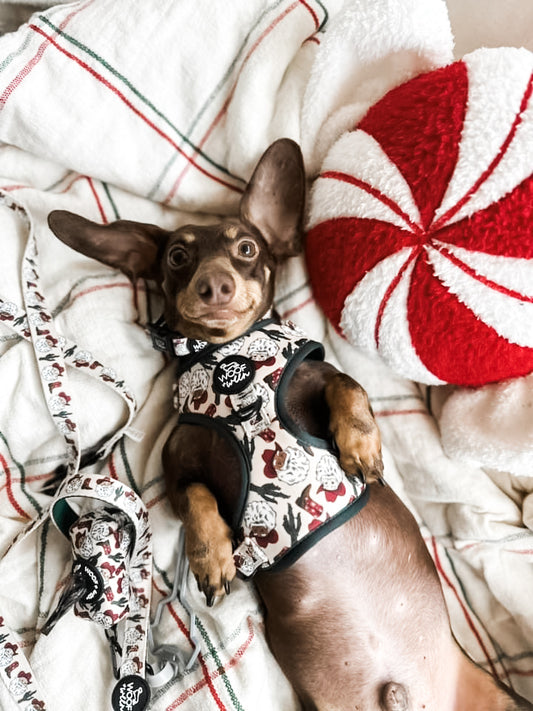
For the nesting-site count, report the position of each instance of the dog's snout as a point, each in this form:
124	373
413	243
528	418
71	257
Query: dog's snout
216	289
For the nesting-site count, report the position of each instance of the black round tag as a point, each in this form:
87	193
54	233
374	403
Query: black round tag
92	581
233	374
131	693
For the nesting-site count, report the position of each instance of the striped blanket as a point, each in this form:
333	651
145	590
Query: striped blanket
158	112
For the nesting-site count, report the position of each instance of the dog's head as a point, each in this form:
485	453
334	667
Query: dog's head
217	280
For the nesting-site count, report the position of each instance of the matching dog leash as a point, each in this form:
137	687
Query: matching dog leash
105	520
113	561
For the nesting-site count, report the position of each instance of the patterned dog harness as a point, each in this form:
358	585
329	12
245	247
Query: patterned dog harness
294	490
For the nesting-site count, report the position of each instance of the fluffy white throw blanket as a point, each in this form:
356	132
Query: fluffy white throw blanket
153	111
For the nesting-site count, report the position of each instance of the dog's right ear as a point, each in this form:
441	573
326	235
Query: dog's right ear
133	247
274	199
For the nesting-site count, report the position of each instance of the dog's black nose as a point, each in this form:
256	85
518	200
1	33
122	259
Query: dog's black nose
216	289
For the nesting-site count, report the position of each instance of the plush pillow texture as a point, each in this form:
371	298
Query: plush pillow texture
420	240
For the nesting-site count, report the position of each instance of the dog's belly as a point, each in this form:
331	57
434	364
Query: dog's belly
363	608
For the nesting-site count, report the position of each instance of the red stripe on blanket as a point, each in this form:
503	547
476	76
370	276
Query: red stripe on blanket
295	309
191	691
69	186
27	479
463	607
10	496
232	662
229	98
26	71
65	190
112	468
102	287
150	504
98	203
8	188
312	12
134	109
207	677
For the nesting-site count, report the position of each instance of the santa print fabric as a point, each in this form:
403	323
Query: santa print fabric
421	239
293	484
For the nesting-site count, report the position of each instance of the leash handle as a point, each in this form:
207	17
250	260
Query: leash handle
105	491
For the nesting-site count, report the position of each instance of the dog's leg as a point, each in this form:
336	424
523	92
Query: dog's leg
207	541
198	467
476	689
352	424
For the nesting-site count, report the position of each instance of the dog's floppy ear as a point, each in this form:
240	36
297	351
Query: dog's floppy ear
133	247
274	199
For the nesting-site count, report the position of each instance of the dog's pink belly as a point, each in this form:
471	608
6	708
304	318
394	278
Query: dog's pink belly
363	608
342	659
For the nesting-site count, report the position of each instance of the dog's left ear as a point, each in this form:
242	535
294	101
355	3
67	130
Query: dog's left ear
274	199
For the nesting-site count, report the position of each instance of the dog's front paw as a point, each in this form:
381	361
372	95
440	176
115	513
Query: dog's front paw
354	429
208	541
210	553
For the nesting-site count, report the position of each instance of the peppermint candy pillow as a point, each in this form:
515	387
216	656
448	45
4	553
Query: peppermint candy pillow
420	241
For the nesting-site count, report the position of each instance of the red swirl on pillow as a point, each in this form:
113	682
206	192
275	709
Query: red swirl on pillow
420	247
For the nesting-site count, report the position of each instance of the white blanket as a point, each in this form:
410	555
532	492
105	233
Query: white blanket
154	111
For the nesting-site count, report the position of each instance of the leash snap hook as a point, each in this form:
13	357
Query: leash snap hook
115	649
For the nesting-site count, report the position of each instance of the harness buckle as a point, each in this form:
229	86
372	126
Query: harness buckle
160	335
248	557
250	407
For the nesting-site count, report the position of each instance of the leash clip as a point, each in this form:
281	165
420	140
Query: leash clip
115	649
169	657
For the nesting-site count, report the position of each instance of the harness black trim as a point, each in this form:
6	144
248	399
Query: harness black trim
312	350
306	543
191	418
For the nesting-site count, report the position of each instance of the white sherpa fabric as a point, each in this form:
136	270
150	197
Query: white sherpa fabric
492	427
360	155
508	315
498	82
361	59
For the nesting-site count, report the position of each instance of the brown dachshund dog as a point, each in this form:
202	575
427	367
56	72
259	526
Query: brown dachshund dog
359	620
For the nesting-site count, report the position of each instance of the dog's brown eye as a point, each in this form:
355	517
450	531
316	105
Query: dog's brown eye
178	257
247	248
